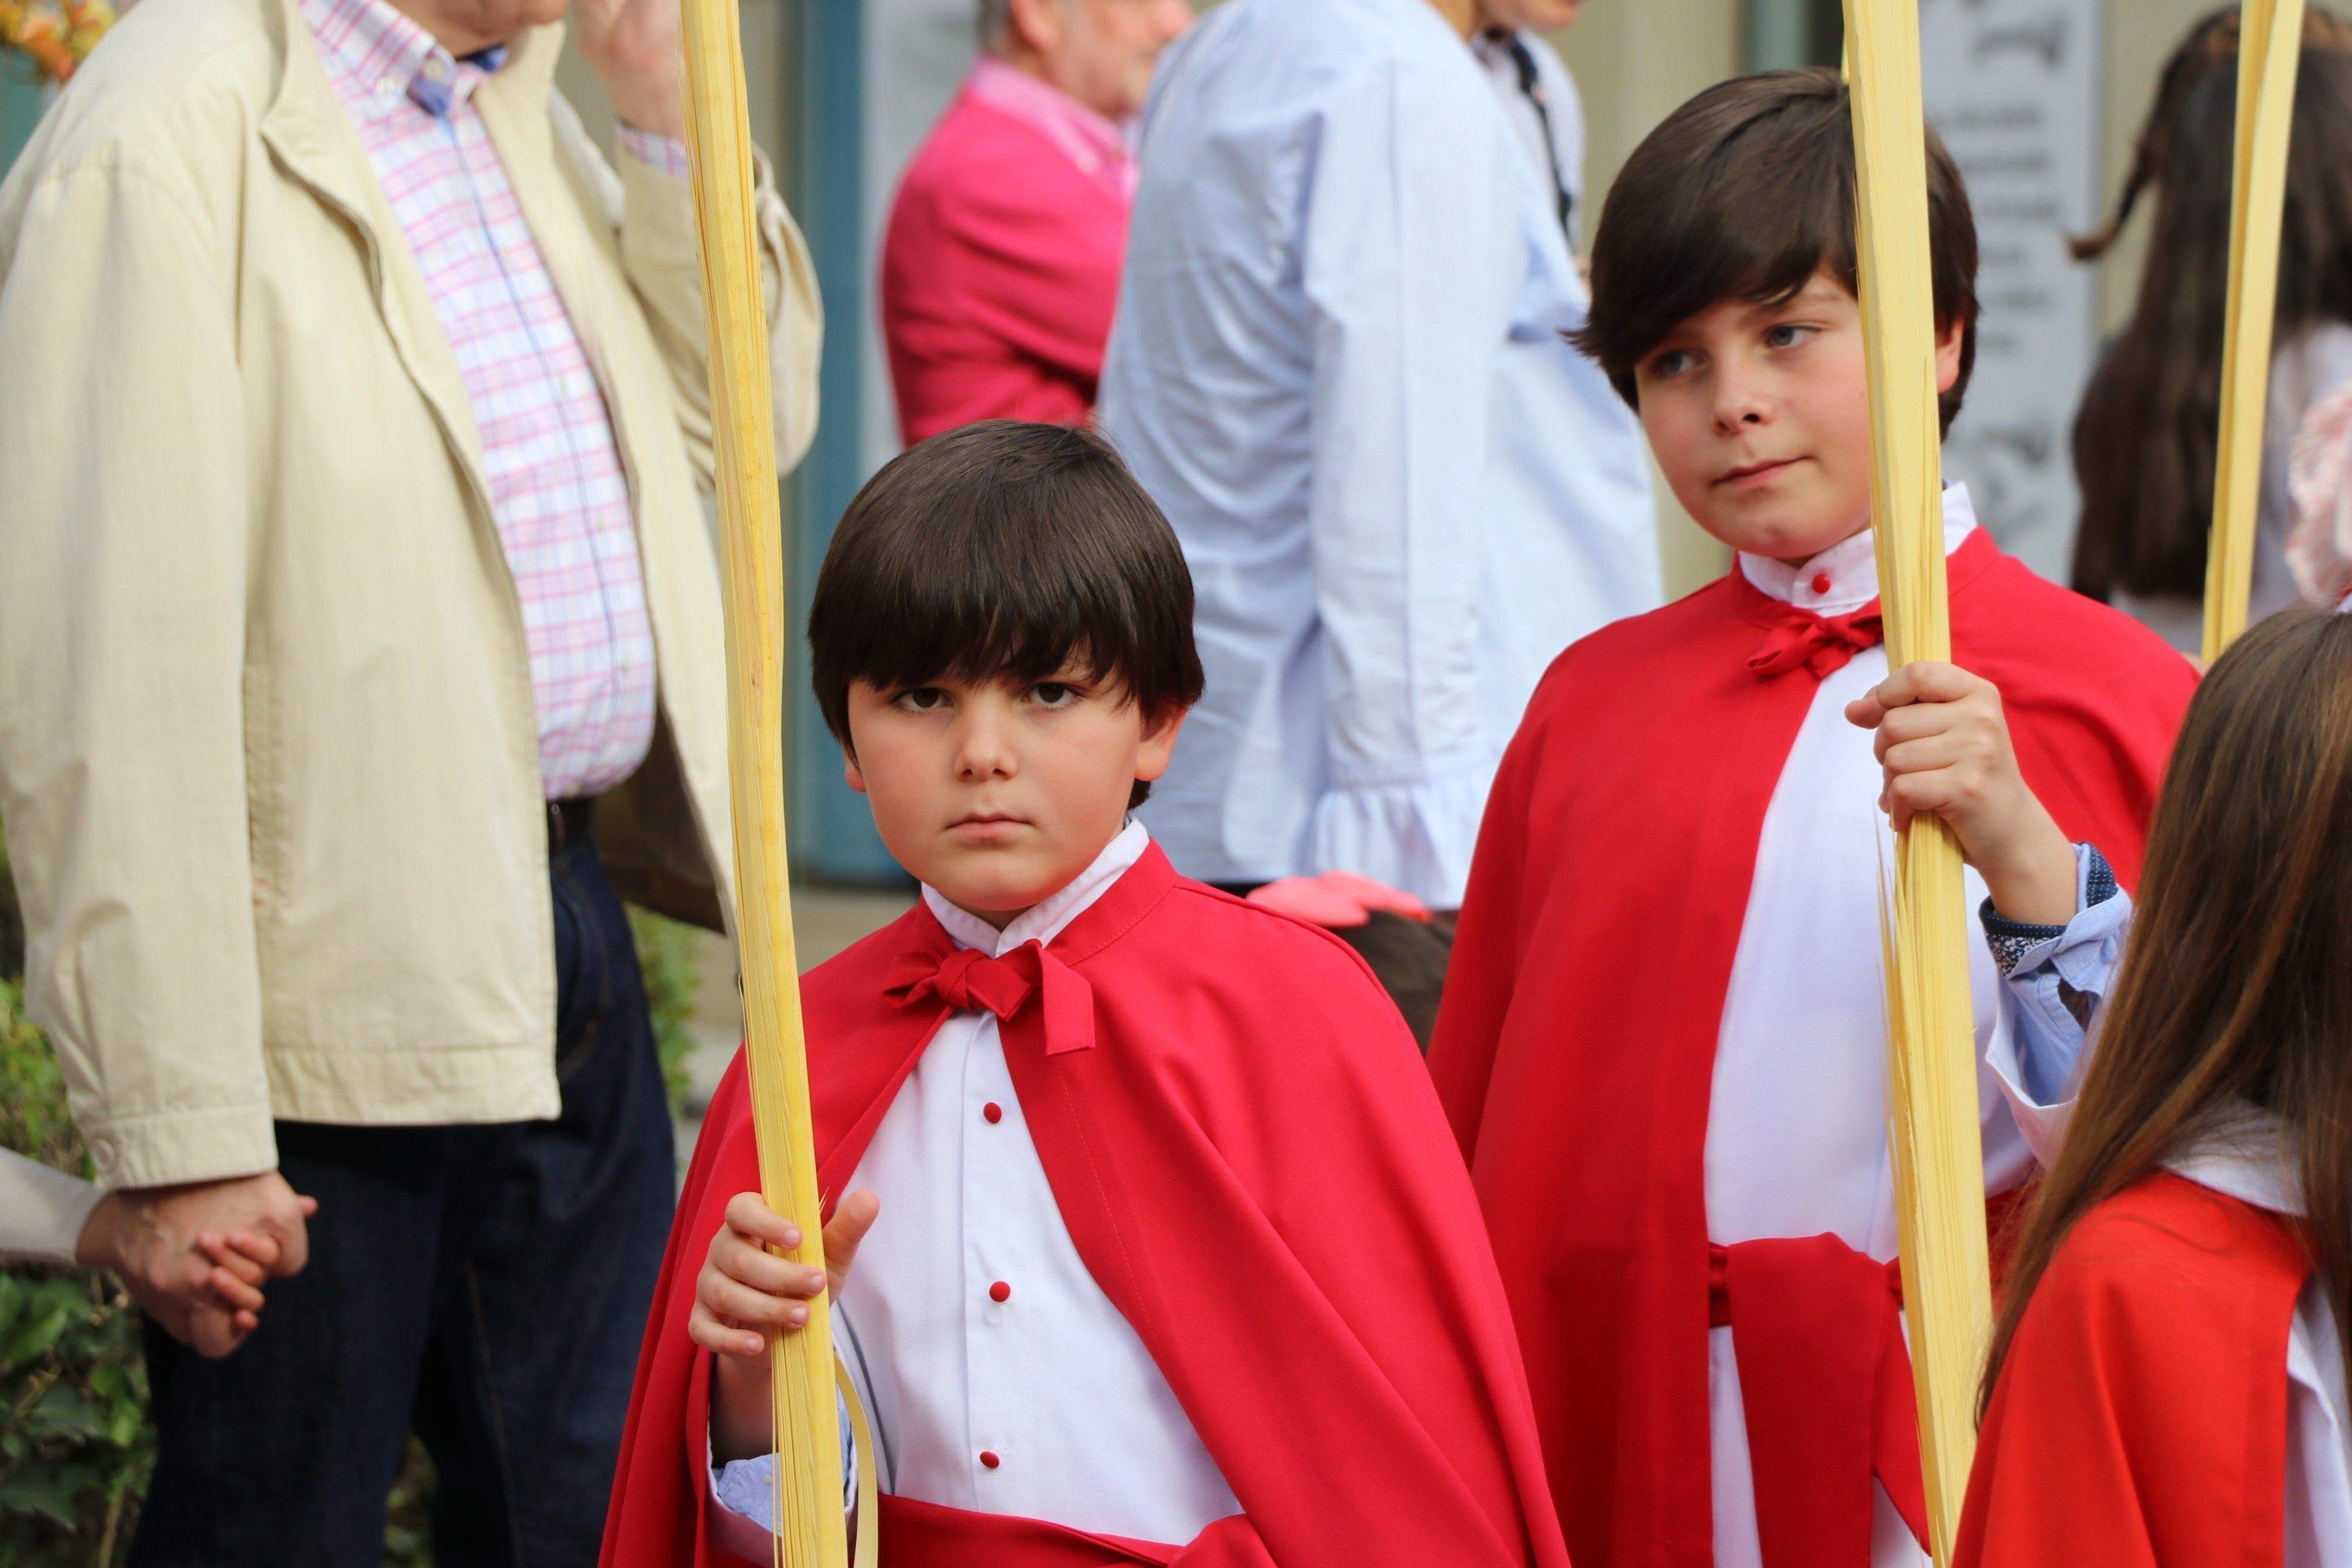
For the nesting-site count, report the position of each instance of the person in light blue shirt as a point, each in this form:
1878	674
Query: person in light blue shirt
2055	976
1338	364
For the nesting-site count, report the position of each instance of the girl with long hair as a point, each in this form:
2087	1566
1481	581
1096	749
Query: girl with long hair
2167	1381
2147	429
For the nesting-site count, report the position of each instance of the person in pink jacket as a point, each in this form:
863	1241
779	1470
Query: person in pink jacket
1001	265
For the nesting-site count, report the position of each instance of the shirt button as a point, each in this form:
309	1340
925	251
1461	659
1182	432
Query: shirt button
1821	582
991	1112
988	1459
1000	1291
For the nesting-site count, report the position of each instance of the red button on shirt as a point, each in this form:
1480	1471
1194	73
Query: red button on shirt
1000	1291
989	1461
992	1111
1821	582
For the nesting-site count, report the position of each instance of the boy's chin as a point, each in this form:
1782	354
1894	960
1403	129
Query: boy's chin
1795	538
997	888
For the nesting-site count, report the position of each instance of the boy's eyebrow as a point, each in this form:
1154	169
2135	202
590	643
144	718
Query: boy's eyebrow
1816	291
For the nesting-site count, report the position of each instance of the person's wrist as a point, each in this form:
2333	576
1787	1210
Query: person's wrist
2034	880
95	1246
741	1409
648	101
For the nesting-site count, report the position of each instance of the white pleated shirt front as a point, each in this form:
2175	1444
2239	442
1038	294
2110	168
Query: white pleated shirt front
1043	1404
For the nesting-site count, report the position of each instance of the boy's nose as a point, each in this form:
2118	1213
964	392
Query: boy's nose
982	752
1738	409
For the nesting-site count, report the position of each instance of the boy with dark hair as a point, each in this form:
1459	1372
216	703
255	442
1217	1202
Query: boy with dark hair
1662	1041
1171	1263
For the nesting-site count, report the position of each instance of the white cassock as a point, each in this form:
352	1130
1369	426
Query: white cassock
1796	1139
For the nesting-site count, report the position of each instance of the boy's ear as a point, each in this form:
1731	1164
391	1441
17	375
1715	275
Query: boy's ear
1948	354
1158	744
851	772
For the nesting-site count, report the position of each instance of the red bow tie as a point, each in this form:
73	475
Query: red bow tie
967	979
1822	643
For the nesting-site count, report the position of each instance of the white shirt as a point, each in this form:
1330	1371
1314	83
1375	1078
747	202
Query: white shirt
1052	1382
1557	145
1796	1138
1336	365
2249	1162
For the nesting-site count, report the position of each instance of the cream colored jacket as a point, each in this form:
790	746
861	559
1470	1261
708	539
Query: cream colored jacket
268	756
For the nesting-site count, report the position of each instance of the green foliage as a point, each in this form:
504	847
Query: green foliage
75	1445
667	953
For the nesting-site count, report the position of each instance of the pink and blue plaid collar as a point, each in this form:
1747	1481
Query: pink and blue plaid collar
390	52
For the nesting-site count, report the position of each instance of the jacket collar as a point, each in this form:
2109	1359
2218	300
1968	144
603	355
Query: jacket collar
307	131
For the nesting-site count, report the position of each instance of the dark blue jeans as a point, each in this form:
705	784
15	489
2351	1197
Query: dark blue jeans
484	1286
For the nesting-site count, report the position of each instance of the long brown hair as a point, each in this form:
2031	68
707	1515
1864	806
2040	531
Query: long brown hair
2236	985
2145	434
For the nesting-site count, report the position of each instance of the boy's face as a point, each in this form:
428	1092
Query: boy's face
999	794
1760	417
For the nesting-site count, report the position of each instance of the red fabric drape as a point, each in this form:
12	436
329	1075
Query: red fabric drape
1576	1049
1242	1140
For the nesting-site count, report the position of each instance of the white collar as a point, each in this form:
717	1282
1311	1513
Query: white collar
1045	921
2246	1156
1844	577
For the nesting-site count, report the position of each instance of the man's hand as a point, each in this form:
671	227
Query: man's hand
1943	743
744	1290
159	1245
217	1298
632	47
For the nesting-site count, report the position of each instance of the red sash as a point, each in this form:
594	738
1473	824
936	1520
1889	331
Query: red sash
926	1535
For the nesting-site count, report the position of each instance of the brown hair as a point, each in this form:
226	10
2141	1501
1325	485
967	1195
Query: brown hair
2146	432
2235	987
1743	192
1004	550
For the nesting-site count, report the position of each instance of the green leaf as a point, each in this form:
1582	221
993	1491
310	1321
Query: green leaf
54	1494
37	1335
66	1411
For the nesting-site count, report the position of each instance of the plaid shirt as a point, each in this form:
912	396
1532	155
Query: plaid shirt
558	492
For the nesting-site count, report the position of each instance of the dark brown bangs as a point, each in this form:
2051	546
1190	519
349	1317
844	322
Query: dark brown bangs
1745	193
1004	550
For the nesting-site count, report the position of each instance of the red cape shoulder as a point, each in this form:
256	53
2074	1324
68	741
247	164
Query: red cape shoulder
2140	1418
2162	1260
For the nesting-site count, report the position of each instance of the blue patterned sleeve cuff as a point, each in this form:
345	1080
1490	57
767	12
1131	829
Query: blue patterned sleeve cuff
2011	940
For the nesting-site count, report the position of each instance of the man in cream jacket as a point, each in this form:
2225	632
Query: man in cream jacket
359	638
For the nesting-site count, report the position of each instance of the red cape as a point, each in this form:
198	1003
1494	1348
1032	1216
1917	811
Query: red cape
1575	1050
2141	1417
1242	1140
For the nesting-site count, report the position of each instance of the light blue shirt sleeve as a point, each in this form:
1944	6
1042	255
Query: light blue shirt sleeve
1412	261
2053	978
746	1487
